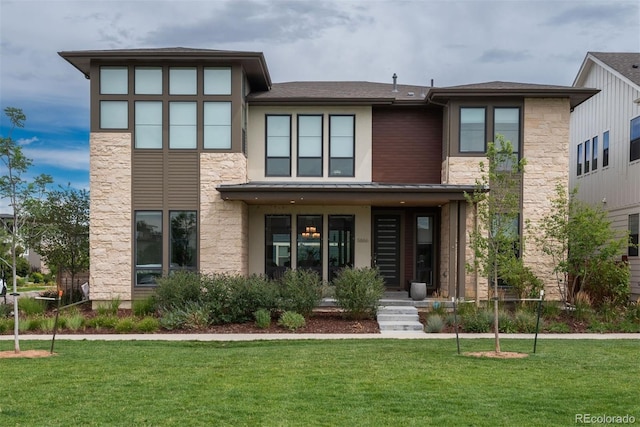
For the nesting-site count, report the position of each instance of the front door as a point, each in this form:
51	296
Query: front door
386	248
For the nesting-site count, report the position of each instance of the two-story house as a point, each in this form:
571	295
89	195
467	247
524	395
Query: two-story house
605	144
199	161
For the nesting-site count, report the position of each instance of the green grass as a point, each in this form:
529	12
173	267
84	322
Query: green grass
318	383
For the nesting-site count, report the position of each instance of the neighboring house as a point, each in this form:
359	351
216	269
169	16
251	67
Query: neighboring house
605	143
199	161
35	261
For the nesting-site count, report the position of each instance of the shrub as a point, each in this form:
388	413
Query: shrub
48	323
551	309
627	326
582	306
434	323
109	309
125	325
5	310
525	322
147	324
196	316
439	308
506	323
558	328
263	318
31	306
358	291
144	307
172	320
610	283
102	321
633	312
520	278
178	289
300	291
4	325
477	321
291	320
74	321
36	277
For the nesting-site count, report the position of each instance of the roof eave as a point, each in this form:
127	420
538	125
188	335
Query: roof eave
575	95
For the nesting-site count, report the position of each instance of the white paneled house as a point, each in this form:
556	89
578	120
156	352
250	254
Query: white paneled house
605	143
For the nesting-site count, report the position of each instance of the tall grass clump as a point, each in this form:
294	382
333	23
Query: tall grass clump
31	306
144	307
358	290
435	323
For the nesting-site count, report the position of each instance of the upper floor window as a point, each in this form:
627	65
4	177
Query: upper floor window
579	163
605	149
217	81
634	146
114	81
114	115
587	154
341	145
217	125
310	145
182	81
634	226
506	122
472	130
148	80
594	155
278	150
182	125
148	124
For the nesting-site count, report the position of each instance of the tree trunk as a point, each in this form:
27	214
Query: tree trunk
495	307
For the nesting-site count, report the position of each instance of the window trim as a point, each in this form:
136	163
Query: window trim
298	156
353	148
266	146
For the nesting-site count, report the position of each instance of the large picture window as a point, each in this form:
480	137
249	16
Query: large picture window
148	247
634	143
277	245
472	130
148	128
278	150
183	228
341	145
309	145
182	125
309	243
634	231
217	125
341	243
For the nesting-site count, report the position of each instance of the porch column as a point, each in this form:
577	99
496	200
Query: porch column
452	277
462	248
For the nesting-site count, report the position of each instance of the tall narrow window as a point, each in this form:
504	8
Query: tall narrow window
217	125
182	81
217	81
341	145
114	81
424	249
341	243
278	161
472	130
594	155
507	123
309	145
634	144
309	248
587	154
183	227
148	81
182	125
579	162
634	230
605	149
114	115
277	244
148	128
148	247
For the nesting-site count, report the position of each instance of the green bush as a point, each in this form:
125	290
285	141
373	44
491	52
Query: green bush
6	325
506	323
610	284
147	324
558	328
178	289
434	323
300	291
5	310
31	306
358	291
240	297
263	318
479	320
74	321
172	320
633	312
525	322
48	324
291	320
551	309
196	316
102	322
125	325
36	277
144	307
520	278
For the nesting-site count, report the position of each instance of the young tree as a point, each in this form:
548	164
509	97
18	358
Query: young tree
495	240
59	229
18	190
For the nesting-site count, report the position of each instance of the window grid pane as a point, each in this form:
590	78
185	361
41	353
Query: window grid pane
148	260
217	81
183	239
148	81
507	124
217	125
341	145
278	149
114	81
148	124
182	81
472	130
114	115
182	125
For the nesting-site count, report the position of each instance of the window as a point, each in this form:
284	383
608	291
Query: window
309	145
182	125
605	149
579	164
506	122
182	81
114	115
594	155
217	125
114	81
634	148
277	245
634	226
341	145
309	245
148	81
341	243
424	249
587	154
183	228
278	146
472	130
148	247
217	81
148	127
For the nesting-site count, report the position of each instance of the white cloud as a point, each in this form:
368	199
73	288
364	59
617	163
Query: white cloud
27	141
76	159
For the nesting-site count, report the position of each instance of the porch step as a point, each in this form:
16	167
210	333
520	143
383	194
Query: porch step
399	319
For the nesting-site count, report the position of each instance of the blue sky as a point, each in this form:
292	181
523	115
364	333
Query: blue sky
453	42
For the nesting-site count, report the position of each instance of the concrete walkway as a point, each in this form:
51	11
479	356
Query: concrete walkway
287	336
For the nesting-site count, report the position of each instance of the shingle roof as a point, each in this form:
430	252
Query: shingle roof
498	85
626	63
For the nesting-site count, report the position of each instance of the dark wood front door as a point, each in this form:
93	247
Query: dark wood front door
386	248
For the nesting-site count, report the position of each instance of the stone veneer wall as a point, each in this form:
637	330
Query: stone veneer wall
546	149
445	244
110	216
224	240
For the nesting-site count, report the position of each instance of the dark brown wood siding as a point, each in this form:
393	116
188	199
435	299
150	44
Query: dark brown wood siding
407	145
182	180
147	179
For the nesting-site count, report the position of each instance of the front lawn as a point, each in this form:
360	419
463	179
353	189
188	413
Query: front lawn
334	382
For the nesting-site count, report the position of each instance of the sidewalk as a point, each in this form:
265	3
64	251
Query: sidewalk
287	336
